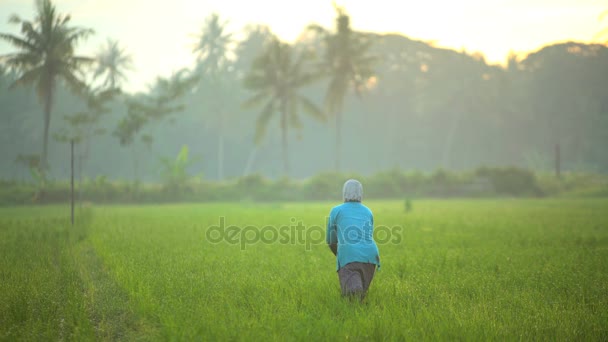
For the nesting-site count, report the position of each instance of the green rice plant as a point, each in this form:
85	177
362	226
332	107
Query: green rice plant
525	269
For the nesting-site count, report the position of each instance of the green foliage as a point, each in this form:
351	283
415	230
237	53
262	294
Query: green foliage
251	182
174	172
212	46
346	60
511	181
163	100
112	64
573	184
276	78
129	126
407	205
217	77
84	125
45	54
41	182
179	186
30	161
327	185
390	184
16	193
155	107
347	64
425	106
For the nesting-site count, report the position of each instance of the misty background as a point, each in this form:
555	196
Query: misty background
422	108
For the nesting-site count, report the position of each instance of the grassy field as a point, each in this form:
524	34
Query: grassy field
474	270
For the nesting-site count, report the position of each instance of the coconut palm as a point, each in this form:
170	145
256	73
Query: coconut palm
45	54
276	77
212	47
112	63
256	38
346	63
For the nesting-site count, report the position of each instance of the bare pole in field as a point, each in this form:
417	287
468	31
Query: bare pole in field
557	161
72	180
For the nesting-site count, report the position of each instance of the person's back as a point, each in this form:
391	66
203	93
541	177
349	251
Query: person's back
353	224
350	237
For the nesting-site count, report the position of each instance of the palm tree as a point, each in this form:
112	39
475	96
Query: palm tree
276	77
212	56
347	65
45	55
256	38
212	45
112	63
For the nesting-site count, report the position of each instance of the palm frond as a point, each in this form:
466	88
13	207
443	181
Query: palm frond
21	60
111	62
32	35
28	77
18	42
346	61
292	112
255	81
212	45
76	85
312	109
78	61
255	100
14	19
278	74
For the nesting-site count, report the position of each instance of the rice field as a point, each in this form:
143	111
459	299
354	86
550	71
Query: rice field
451	269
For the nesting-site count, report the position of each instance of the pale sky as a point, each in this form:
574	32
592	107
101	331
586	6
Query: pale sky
158	33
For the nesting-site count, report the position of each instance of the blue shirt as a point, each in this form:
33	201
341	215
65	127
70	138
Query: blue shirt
351	226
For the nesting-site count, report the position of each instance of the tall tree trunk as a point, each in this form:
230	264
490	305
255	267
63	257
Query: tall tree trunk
558	166
250	161
48	106
72	180
135	176
284	139
83	157
449	140
80	162
338	139
220	150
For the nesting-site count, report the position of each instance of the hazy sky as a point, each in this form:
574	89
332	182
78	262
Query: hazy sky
158	33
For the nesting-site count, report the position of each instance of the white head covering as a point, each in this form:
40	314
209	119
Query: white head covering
352	191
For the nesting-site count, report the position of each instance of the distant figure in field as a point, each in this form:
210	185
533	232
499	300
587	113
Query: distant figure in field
350	237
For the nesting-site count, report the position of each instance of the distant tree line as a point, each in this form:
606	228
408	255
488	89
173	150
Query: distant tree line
178	186
373	102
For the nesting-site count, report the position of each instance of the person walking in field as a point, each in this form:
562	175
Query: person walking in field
350	237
